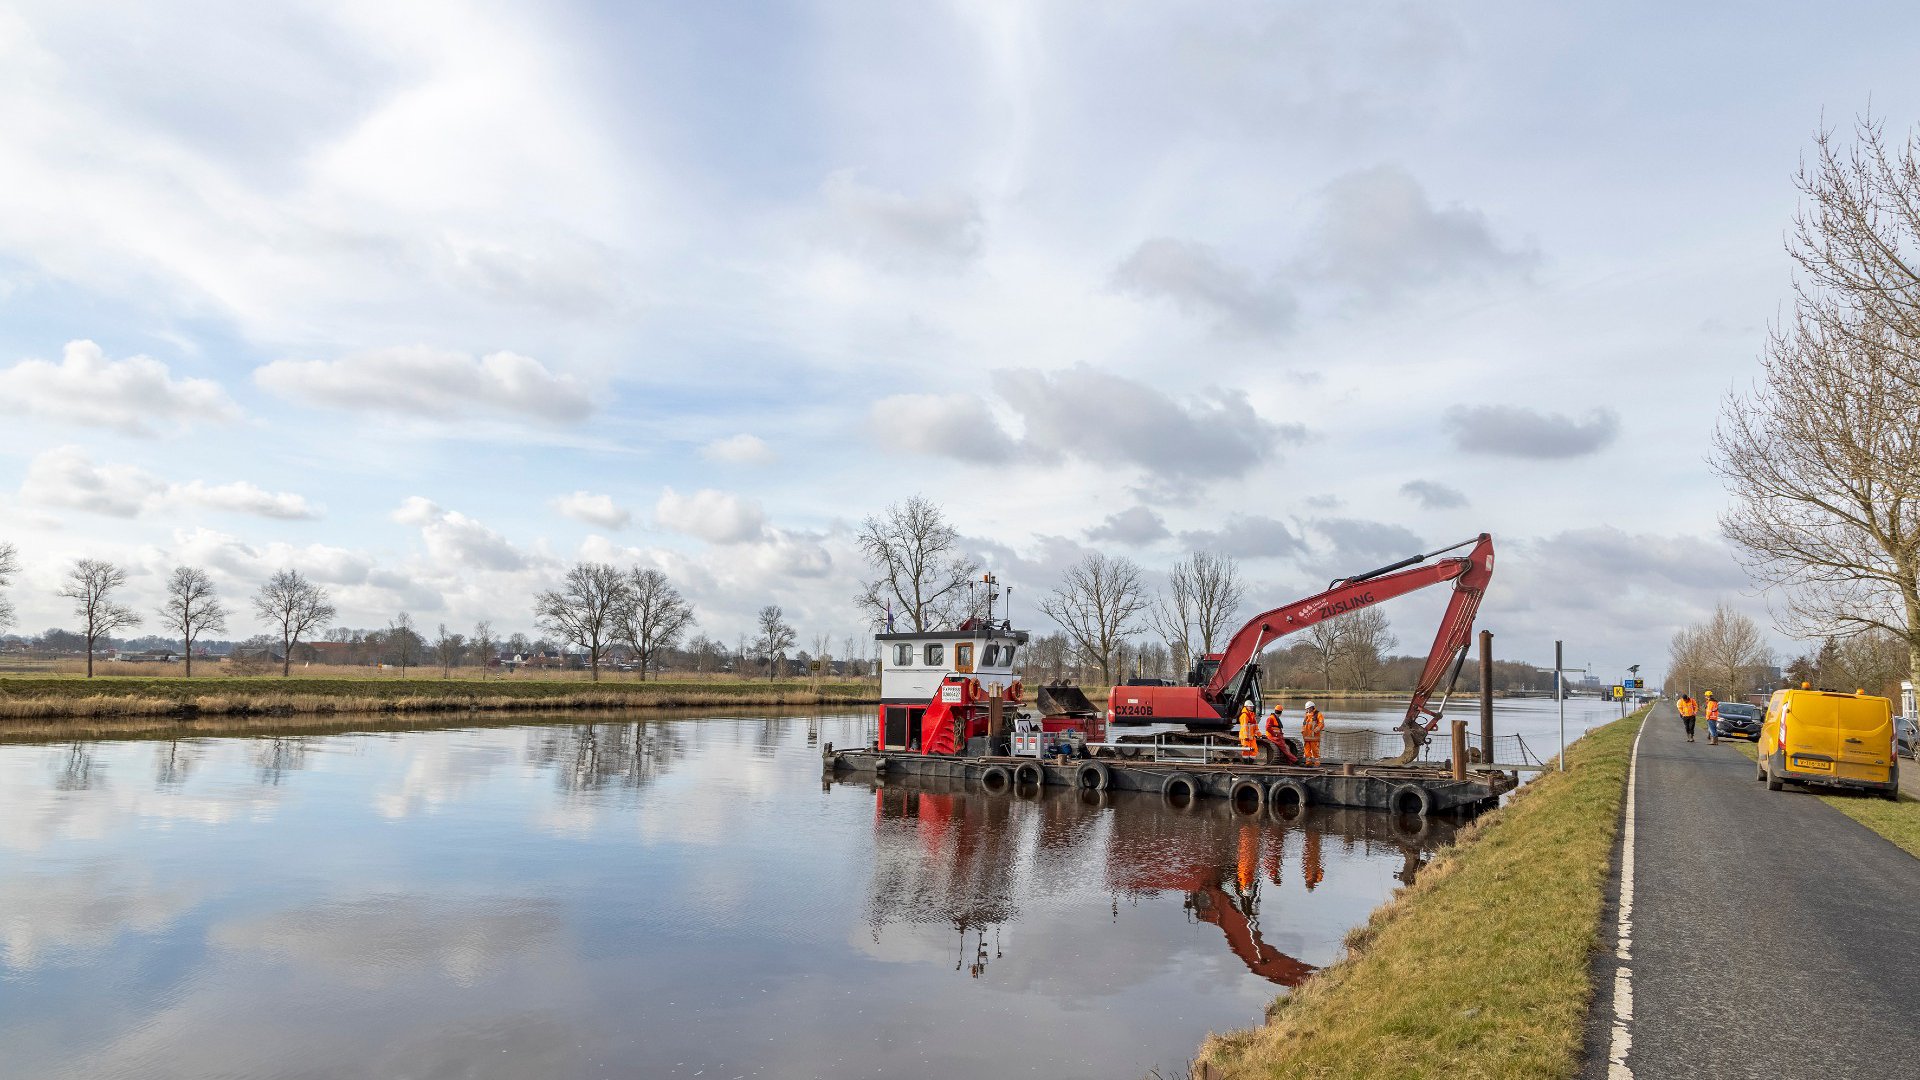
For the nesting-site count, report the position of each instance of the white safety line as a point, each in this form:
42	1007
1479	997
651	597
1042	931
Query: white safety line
1623	947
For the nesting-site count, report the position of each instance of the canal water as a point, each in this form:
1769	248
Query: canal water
636	897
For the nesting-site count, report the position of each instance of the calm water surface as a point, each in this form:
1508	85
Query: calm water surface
638	897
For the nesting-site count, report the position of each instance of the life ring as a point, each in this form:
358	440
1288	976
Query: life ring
1013	692
1180	785
1092	775
1420	798
1030	772
976	690
1288	795
1247	796
996	778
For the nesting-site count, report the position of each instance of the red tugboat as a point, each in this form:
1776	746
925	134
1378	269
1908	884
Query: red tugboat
958	692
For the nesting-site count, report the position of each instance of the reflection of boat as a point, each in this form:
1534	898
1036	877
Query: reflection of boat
945	853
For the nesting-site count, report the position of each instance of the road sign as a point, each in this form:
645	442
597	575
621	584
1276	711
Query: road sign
1619	693
1631	684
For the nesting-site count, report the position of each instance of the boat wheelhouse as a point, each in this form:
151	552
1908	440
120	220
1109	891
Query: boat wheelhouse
972	667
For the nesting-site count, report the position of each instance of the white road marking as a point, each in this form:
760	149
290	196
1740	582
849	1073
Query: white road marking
1623	947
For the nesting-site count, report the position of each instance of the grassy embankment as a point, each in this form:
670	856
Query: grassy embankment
1480	969
1897	821
25	701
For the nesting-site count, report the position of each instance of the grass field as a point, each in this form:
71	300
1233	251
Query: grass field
25	700
1480	968
1897	821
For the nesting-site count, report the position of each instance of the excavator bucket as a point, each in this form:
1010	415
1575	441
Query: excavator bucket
1064	699
1416	737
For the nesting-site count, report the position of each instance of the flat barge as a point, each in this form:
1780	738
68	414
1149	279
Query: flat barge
1422	790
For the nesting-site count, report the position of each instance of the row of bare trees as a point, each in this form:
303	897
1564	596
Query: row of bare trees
599	605
1726	654
1822	455
294	606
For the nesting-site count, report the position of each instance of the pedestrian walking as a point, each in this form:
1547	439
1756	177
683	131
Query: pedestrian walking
1688	709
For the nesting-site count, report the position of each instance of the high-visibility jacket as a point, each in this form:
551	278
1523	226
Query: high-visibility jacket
1313	726
1246	725
1686	706
1276	730
1713	711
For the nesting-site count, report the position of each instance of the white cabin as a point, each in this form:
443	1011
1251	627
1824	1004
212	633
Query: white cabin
912	665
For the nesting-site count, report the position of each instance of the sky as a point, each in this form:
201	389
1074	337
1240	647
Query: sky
431	300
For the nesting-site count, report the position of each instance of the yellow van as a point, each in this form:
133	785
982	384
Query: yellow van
1821	737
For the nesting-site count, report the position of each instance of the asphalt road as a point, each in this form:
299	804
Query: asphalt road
1771	935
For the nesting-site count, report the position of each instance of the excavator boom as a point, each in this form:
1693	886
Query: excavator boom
1232	676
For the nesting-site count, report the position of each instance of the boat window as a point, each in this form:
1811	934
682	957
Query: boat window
1006	656
963	656
936	655
903	655
991	656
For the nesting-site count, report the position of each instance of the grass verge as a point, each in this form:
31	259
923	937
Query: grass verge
1897	821
1480	969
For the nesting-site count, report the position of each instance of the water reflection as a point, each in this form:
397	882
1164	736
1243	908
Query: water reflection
947	851
634	896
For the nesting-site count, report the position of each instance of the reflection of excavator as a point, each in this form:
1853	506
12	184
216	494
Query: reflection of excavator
1222	682
1221	889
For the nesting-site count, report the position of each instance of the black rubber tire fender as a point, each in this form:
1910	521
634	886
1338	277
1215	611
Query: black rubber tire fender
1030	772
1239	791
1421	797
1175	781
996	778
1092	775
881	764
1289	793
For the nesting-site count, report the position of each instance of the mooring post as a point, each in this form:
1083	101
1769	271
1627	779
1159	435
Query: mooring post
1459	749
1486	699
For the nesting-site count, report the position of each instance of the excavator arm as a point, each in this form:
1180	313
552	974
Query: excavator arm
1469	574
1230	677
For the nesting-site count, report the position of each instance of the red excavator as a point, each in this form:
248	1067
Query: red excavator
1224	681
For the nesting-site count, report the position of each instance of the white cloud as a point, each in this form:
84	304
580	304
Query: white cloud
717	516
419	381
940	230
1195	278
593	509
1517	431
1136	526
66	476
1380	234
1433	495
741	449
136	396
453	538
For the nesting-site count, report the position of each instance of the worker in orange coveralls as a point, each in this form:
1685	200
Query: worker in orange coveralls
1311	728
1276	733
1249	742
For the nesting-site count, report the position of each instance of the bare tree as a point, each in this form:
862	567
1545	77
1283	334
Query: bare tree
294	605
1364	642
583	609
192	608
1822	457
91	585
1875	661
1322	641
775	636
486	647
653	618
404	642
447	647
921	577
1171	617
1096	606
1204	593
1731	649
9	566
1856	238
